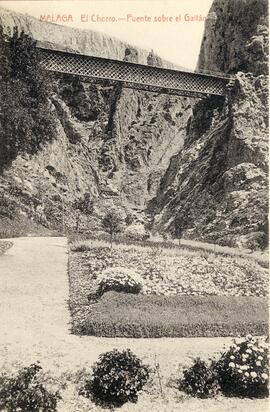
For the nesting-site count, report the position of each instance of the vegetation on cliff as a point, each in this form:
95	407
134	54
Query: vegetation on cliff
26	120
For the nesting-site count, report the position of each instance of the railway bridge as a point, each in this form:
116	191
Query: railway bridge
134	75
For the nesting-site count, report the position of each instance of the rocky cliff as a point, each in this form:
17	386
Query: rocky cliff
216	187
72	39
112	143
196	169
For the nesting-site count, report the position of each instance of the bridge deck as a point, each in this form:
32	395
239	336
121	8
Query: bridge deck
133	75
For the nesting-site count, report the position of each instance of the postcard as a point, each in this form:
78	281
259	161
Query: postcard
134	205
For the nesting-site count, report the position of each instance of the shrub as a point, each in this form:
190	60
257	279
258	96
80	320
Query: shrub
136	232
200	380
119	279
117	378
7	207
244	370
80	247
130	217
26	392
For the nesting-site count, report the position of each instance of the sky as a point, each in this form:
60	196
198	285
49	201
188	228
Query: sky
177	40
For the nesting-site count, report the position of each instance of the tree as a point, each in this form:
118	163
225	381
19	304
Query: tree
178	232
83	205
129	219
165	236
113	223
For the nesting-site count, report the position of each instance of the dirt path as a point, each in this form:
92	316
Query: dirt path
35	320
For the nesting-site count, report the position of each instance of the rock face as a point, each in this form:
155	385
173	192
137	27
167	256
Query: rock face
197	169
215	189
112	143
72	39
236	37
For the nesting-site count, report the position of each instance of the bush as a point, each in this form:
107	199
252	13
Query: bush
244	370
7	207
80	247
117	378
26	392
119	279
200	380
136	232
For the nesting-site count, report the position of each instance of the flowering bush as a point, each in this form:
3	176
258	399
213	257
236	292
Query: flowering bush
117	377
119	279
244	370
241	371
136	232
200	380
26	392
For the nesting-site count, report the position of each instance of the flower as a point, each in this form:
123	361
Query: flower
253	374
232	357
231	365
247	374
248	351
258	363
264	376
260	358
244	356
248	337
244	367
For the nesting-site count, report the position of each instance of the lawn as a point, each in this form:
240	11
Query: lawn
186	293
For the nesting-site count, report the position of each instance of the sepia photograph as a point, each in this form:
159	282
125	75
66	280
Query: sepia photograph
134	258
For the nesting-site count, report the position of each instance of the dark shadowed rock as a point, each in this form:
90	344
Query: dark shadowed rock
216	187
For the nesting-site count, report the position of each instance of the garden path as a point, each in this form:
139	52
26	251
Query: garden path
35	321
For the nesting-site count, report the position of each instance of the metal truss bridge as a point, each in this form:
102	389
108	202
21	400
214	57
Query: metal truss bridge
133	75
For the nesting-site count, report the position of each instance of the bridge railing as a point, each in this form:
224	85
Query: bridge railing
134	75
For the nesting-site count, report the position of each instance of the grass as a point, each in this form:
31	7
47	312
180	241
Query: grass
138	316
22	226
187	293
85	241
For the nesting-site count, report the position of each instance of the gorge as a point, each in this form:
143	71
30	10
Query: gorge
178	164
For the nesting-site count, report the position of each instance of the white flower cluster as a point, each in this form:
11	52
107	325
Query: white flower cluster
248	358
119	276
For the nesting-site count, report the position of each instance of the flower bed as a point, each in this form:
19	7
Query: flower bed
183	294
171	273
